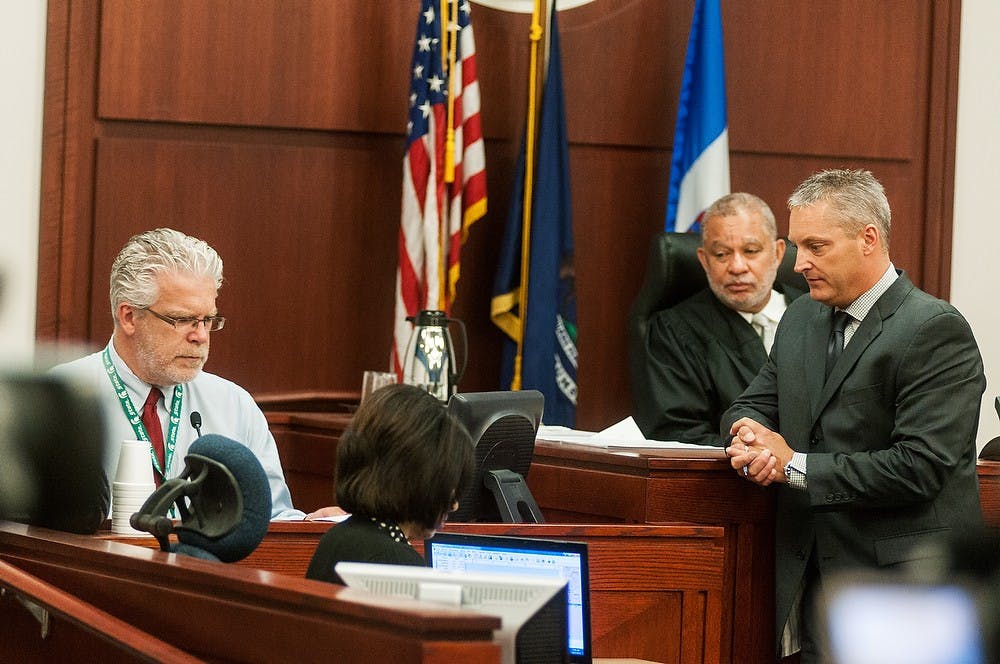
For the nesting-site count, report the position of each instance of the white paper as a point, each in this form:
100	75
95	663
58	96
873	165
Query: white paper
624	434
337	518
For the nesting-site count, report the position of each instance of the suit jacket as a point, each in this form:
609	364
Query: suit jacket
701	355
890	436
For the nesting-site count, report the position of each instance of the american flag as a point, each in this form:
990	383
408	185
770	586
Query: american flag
437	213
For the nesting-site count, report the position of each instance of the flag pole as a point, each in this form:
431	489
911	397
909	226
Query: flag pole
449	23
535	36
448	162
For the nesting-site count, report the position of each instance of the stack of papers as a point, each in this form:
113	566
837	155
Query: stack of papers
623	434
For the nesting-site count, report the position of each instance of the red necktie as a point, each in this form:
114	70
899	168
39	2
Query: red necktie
155	431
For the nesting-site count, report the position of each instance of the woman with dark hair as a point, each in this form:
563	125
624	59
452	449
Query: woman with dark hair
400	467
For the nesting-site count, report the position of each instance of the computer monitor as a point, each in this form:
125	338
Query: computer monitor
503	427
525	556
532	609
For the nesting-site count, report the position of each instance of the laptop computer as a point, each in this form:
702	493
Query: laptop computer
524	556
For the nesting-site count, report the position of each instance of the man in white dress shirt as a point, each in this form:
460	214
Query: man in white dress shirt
163	289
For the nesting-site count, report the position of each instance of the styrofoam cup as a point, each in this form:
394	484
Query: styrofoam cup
124	512
121	526
134	463
135	485
132	494
128	498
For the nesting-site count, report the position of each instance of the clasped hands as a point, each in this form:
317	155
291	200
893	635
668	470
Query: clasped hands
757	453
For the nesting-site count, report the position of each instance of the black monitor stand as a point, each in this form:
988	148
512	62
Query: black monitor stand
514	501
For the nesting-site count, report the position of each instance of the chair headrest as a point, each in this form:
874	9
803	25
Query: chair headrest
673	273
223	499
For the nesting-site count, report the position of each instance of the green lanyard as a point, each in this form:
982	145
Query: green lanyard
136	420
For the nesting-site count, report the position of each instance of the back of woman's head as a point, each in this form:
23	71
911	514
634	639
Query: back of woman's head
404	458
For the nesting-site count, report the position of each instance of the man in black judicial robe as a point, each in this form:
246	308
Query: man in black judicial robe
703	352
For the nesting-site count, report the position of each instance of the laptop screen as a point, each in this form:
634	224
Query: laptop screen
529	557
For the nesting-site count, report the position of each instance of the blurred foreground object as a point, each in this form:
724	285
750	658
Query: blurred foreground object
51	454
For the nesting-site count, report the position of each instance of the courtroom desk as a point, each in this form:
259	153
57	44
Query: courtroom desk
581	484
224	613
989	491
657	591
574	483
313	401
307	427
577	483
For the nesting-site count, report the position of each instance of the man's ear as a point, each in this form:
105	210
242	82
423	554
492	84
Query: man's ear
702	259
779	249
871	238
125	317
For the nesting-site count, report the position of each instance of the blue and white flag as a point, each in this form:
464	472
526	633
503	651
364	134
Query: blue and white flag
699	171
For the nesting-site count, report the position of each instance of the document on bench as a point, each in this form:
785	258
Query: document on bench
624	434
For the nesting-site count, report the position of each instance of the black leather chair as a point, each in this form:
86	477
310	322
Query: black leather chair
674	274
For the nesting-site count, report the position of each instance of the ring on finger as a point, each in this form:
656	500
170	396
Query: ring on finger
746	472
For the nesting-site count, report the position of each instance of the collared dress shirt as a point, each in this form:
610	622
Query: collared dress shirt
226	409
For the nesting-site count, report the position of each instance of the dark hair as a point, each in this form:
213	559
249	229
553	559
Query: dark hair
404	458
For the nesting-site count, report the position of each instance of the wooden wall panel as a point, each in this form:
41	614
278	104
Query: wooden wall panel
619	198
620	71
273	129
308	64
835	79
271	211
774	176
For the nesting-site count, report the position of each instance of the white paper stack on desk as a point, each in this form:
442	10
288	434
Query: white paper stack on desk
624	434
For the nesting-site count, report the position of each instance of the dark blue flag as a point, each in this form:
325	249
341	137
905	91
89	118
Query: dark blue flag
548	348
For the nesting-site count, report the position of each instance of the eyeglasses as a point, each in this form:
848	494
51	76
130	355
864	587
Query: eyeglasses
189	323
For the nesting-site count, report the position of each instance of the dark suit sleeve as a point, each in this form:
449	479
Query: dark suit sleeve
758	402
682	403
922	422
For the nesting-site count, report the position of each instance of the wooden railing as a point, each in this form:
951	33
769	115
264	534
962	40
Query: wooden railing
46	603
646	581
228	613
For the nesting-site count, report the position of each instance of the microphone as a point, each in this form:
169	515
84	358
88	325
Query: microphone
223	498
196	422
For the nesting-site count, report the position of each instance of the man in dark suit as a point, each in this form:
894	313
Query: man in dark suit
865	412
703	352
